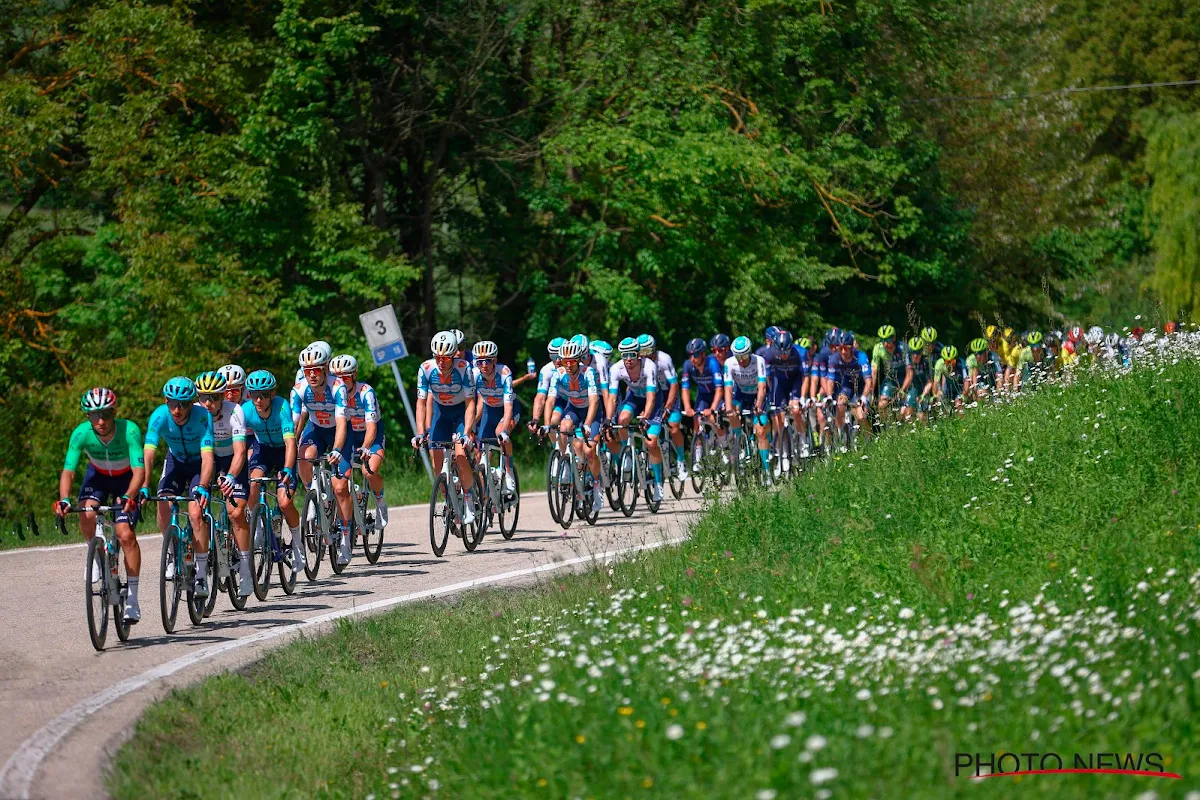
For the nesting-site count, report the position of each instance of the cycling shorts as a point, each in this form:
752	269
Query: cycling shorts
107	490
890	389
448	421
636	405
267	460
321	438
240	484
492	415
743	400
179	477
342	470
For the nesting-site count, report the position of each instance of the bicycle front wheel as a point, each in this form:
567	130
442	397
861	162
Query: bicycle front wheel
95	592
314	539
439	515
698	456
287	566
261	553
510	505
672	466
233	586
627	480
170	590
552	487
118	601
372	535
473	533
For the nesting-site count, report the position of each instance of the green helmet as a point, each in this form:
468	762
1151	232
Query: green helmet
978	345
916	344
886	332
949	352
1034	338
929	334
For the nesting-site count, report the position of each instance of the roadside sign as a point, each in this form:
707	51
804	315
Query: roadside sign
383	335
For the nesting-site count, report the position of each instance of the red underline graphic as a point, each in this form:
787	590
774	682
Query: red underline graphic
1146	773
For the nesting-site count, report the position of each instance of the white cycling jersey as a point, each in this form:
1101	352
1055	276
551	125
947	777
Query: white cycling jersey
545	375
746	379
646	382
228	428
602	367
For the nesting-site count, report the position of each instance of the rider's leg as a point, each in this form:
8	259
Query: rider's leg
764	449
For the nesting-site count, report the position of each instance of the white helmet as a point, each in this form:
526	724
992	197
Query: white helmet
314	355
233	374
1095	334
570	349
485	349
459	336
324	347
1113	340
444	344
345	364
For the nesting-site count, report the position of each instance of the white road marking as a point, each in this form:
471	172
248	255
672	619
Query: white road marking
16	779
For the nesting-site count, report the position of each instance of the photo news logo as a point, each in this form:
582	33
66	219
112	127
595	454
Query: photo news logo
995	765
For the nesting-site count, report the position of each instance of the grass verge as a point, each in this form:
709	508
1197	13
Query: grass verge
1023	580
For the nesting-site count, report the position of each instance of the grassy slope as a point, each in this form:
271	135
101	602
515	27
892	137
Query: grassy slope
795	633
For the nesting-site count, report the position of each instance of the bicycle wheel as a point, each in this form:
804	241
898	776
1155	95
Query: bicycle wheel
648	485
170	590
627	476
214	566
483	490
95	593
566	494
287	567
589	483
698	458
671	466
828	447
372	537
473	533
314	539
510	505
261	553
233	586
196	605
118	602
612	491
552	482
335	547
439	515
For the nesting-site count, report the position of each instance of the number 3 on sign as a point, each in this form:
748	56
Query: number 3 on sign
380	328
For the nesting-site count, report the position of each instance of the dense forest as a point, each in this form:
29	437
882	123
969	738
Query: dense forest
191	183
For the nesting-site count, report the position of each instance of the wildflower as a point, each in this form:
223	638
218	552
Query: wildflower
580	738
764	794
863	731
906	613
675	732
625	711
780	741
815	742
823	775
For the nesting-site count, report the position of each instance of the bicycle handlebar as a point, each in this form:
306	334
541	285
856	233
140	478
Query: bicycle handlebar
62	521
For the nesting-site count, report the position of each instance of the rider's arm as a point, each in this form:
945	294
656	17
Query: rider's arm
908	378
685	392
469	424
237	424
71	461
208	462
548	401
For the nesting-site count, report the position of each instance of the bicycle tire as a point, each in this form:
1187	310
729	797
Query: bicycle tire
607	462
314	539
671	465
287	569
439	515
213	565
119	602
233	586
487	509
95	593
552	482
698	458
373	536
510	510
627	484
261	553
648	482
195	605
566	497
473	533
336	536
168	599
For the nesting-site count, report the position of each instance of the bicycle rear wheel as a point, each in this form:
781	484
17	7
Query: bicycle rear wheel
196	605
372	537
648	482
170	590
118	602
287	566
233	586
439	515
698	458
473	533
510	504
671	466
213	564
627	480
261	553
608	462
95	593
335	547
314	539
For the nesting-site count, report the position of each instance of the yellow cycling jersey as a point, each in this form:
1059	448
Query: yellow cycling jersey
1010	354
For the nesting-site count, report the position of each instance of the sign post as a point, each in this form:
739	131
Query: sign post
387	347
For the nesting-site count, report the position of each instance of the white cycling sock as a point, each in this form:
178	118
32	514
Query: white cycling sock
201	566
244	566
133	587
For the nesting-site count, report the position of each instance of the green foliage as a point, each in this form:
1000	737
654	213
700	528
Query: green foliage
1173	159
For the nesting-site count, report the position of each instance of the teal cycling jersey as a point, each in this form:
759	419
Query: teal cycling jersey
276	428
184	442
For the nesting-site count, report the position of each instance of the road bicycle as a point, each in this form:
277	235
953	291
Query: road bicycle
105	581
707	456
448	502
554	469
633	469
267	547
177	566
365	523
744	461
574	497
223	547
501	503
317	519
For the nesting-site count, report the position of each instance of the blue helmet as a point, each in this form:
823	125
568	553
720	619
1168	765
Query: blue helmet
784	341
260	381
696	346
181	389
831	337
719	340
741	346
770	333
601	347
845	338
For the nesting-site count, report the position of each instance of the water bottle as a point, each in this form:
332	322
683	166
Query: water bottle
530	366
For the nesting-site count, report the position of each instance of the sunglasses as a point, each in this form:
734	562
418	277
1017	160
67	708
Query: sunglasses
483	362
212	398
178	405
631	358
570	362
262	395
314	370
96	416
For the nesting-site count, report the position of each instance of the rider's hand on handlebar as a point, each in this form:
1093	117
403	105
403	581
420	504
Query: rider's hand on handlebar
62	507
200	495
417	441
287	477
129	504
143	494
333	457
225	484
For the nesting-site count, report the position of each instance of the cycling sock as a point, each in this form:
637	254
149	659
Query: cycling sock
201	566
244	564
133	587
765	455
679	453
379	497
657	472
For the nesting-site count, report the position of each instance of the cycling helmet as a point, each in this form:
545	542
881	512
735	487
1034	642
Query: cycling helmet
628	347
990	332
1008	334
696	346
1034	338
929	334
345	364
846	339
314	356
582	341
485	349
210	382
601	348
555	345
979	345
443	344
915	345
459	337
646	344
323	346
805	342
1095	334
234	375
571	350
1113	340
949	352
741	346
770	333
1075	334
831	337
260	381
98	399
180	388
719	340
886	332
784	340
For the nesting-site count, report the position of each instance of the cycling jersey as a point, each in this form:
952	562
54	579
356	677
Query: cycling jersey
953	376
707	380
321	403
545	374
664	366
788	367
230	428
277	427
577	389
921	375
497	392
359	406
452	388
601	365
646	382
184	442
848	373
745	379
120	454
890	367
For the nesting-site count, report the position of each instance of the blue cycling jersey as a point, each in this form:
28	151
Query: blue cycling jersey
499	390
707	379
578	389
787	366
184	442
842	371
276	428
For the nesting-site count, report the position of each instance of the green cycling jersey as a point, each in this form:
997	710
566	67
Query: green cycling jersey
119	454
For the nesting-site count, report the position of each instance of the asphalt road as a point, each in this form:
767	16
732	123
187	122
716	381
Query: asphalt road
67	708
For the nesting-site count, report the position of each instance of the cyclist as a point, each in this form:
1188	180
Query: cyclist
979	368
314	411
572	406
889	362
496	406
543	381
188	467
933	348
990	364
319	346
745	382
1010	355
273	451
235	383
720	348
702	370
601	353
672	409
848	375
1033	359
641	381
229	452
787	369
359	428
446	409
918	381
115	472
949	377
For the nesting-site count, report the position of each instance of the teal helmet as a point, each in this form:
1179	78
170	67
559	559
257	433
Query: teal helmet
555	345
582	341
601	347
646	344
628	346
741	346
180	389
260	381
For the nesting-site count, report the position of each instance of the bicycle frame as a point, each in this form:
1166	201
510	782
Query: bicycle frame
270	511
